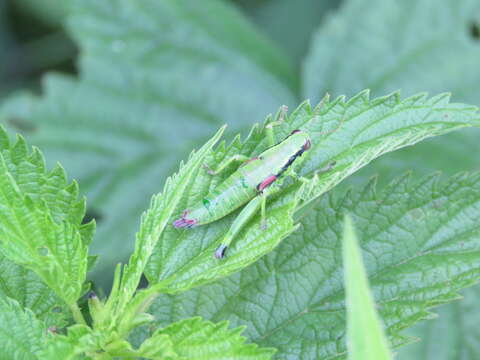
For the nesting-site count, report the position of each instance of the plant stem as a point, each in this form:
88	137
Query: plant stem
140	303
77	314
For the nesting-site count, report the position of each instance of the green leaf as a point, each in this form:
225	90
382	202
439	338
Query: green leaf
453	335
198	339
152	226
23	336
403	45
365	129
82	340
159	346
365	336
420	245
303	18
145	97
78	340
433	50
352	133
449	154
41	223
24	286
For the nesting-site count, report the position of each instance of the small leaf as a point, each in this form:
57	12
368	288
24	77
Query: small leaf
158	346
365	337
23	336
40	222
199	339
79	339
24	286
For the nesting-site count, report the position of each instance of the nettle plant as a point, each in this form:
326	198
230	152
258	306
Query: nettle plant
281	283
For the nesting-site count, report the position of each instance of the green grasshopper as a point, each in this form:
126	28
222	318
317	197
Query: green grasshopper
250	184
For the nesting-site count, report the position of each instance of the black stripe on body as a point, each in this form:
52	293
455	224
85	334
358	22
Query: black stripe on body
284	167
290	162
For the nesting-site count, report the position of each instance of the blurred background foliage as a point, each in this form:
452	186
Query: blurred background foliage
132	89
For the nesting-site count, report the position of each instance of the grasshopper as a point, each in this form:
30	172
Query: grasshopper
250	184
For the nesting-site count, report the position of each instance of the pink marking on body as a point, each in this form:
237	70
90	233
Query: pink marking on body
184	222
307	145
266	183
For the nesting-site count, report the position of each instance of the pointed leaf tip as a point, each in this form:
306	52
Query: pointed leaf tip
366	339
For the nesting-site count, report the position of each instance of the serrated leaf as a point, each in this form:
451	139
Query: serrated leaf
23	336
71	346
152	226
409	45
433	49
24	286
158	346
365	336
454	334
198	339
365	129
420	245
145	97
40	222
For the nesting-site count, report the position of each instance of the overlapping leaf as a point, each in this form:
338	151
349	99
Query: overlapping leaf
156	79
365	129
75	343
41	223
152	226
24	286
454	334
81	340
23	336
409	45
420	244
158	346
198	339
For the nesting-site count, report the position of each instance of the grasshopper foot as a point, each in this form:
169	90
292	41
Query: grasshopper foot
220	252
263	225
